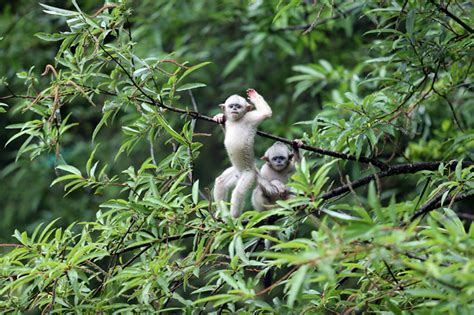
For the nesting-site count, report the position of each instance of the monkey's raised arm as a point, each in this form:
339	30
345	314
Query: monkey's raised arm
262	109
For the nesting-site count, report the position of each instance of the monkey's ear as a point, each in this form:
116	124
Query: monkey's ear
290	156
222	106
264	158
249	107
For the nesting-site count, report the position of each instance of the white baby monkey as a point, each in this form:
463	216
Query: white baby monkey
274	174
241	123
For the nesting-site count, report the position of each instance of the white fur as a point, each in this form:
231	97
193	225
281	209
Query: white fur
272	182
240	130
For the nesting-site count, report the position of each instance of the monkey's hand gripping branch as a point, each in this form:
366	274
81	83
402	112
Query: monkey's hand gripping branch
219	118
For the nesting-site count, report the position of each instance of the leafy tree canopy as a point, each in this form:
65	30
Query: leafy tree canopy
110	106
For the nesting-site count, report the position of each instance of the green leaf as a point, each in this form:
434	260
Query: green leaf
229	280
70	169
213	298
410	21
192	69
309	70
90	160
296	284
50	37
73	280
57	11
2	110
239	249
170	130
285	8
340	215
102	122
195	192
190	86
63	178
427	293
47	231
153	188
458	170
235	61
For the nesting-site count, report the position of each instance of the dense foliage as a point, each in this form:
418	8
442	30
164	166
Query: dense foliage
110	106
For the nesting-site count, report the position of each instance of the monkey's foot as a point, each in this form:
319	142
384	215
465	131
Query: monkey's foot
297	143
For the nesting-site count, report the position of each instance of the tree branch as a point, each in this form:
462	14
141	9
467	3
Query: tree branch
405	168
445	10
158	240
341	155
311	26
435	203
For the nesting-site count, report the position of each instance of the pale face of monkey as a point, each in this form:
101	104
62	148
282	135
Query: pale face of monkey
235	107
278	156
279	162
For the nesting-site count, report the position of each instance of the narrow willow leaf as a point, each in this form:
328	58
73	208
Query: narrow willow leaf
63	178
70	169
190	86
57	11
192	69
50	37
296	284
235	61
170	129
89	161
288	6
212	298
410	21
195	192
231	281
340	215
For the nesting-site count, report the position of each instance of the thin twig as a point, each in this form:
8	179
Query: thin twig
289	273
313	24
445	10
435	203
320	22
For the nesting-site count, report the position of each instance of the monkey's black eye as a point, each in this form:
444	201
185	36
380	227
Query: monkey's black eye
278	158
235	106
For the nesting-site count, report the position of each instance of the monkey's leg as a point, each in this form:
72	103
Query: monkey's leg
259	200
246	180
224	183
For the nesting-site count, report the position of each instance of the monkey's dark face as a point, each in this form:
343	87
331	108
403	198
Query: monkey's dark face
279	162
